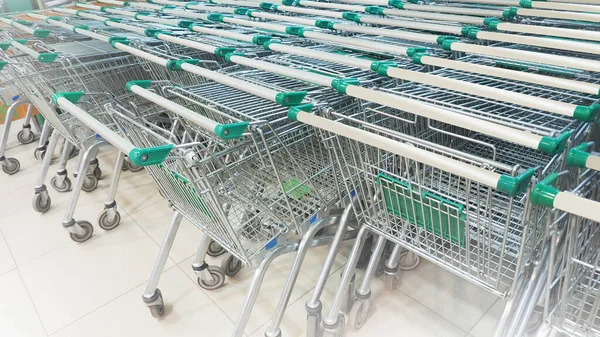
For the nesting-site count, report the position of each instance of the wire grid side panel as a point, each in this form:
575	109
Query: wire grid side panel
578	311
470	229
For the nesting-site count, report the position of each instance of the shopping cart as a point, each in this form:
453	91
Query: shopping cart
567	291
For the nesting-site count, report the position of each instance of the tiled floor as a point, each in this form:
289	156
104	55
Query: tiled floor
51	286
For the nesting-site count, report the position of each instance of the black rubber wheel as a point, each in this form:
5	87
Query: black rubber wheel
218	279
215	249
11	166
88	231
97	172
25	137
90	183
64	187
134	168
231	265
108	225
39	154
39	205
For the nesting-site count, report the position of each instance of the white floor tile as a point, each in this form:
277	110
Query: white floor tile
155	220
6	260
188	313
232	295
136	191
486	325
73	280
392	314
17	314
450	296
30	235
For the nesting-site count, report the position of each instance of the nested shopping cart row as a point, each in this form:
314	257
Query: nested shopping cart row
443	162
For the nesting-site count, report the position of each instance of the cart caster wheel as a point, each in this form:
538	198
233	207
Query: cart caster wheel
391	281
124	167
231	265
359	314
107	225
64	187
157	310
409	260
25	137
39	205
217	281
339	329
90	183
215	249
74	152
39	154
97	172
134	168
11	166
88	230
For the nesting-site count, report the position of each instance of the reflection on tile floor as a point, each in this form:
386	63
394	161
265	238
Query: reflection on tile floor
51	286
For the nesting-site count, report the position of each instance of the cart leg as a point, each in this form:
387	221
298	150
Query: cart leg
61	181
333	323
360	308
314	305
209	277
25	135
273	330
41	199
80	231
110	217
391	268
9	165
152	295
43	142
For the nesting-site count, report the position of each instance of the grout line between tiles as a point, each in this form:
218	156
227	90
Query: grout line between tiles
23	283
105	304
430	309
482	316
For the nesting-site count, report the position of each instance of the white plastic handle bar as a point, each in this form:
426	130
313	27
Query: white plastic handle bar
223	33
576	205
550	81
186	14
145	5
25	49
109	135
495	130
248	87
192	116
120	12
559	15
166	22
447	29
359	43
331	5
141	53
237	3
566	7
65	10
185	42
556	60
283	70
453	10
310	11
321	55
124	26
592	2
472	20
170	2
419	37
453	166
583	47
593	162
544	104
65	25
256	24
292	19
550	31
486	2
113	2
205	8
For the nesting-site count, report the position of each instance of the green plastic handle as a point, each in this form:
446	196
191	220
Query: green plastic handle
151	155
